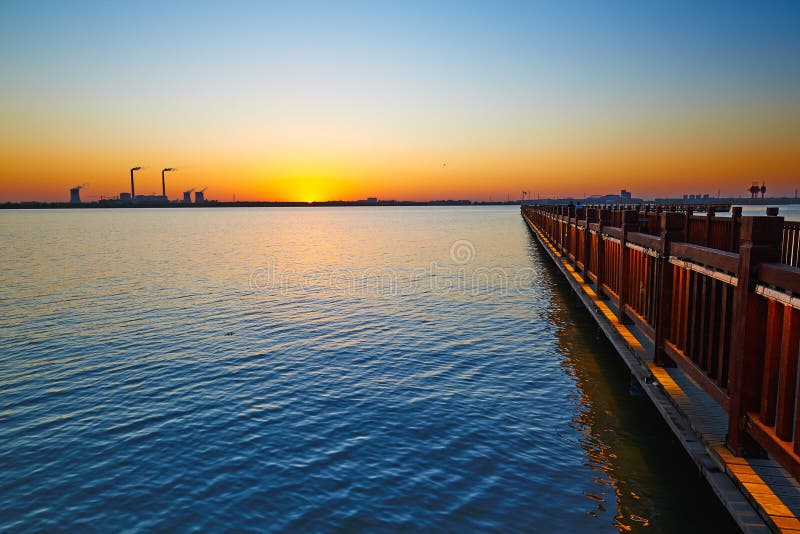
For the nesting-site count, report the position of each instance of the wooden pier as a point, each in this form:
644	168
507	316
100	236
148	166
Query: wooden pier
705	311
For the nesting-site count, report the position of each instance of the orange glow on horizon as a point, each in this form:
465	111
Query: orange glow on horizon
690	155
44	174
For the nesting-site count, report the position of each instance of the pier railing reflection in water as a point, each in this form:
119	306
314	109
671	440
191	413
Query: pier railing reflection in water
633	452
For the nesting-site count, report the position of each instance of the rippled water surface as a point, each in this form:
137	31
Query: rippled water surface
790	212
317	369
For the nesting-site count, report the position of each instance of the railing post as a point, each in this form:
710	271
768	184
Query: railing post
630	223
760	243
657	225
580	213
709	218
591	216
604	219
557	228
673	229
736	217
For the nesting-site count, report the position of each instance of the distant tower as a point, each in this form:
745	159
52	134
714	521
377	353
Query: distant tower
763	189
164	185
75	195
199	196
754	189
133	189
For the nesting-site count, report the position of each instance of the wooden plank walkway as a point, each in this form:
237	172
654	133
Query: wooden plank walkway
760	495
767	486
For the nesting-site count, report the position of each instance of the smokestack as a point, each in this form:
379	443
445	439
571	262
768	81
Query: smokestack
75	194
199	196
163	185
133	190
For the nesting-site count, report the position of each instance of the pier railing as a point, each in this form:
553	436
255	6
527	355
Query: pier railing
717	296
704	225
790	246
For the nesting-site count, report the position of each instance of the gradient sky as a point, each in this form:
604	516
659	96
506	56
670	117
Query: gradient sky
399	100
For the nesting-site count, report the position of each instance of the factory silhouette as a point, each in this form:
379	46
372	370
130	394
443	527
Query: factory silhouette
126	198
625	197
75	194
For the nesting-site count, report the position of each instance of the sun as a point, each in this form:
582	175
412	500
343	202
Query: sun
307	183
312	189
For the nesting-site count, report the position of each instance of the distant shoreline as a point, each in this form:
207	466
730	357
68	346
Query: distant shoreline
112	204
243	204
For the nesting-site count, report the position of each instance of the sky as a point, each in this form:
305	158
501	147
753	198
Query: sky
302	101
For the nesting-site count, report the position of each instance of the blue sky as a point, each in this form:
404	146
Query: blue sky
367	77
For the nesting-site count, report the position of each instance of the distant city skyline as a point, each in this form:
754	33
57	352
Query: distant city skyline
318	101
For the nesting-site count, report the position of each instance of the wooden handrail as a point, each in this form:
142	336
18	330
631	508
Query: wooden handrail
645	240
707	229
726	261
781	276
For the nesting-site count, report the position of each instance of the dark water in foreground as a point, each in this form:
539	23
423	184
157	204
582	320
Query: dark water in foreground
316	370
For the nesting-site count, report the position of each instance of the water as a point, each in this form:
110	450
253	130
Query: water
356	369
790	212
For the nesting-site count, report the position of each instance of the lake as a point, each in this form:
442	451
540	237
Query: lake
316	369
790	212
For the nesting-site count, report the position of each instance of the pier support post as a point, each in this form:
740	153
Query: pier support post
760	243
672	229
630	223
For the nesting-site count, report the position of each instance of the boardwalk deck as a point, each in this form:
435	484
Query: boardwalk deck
761	495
